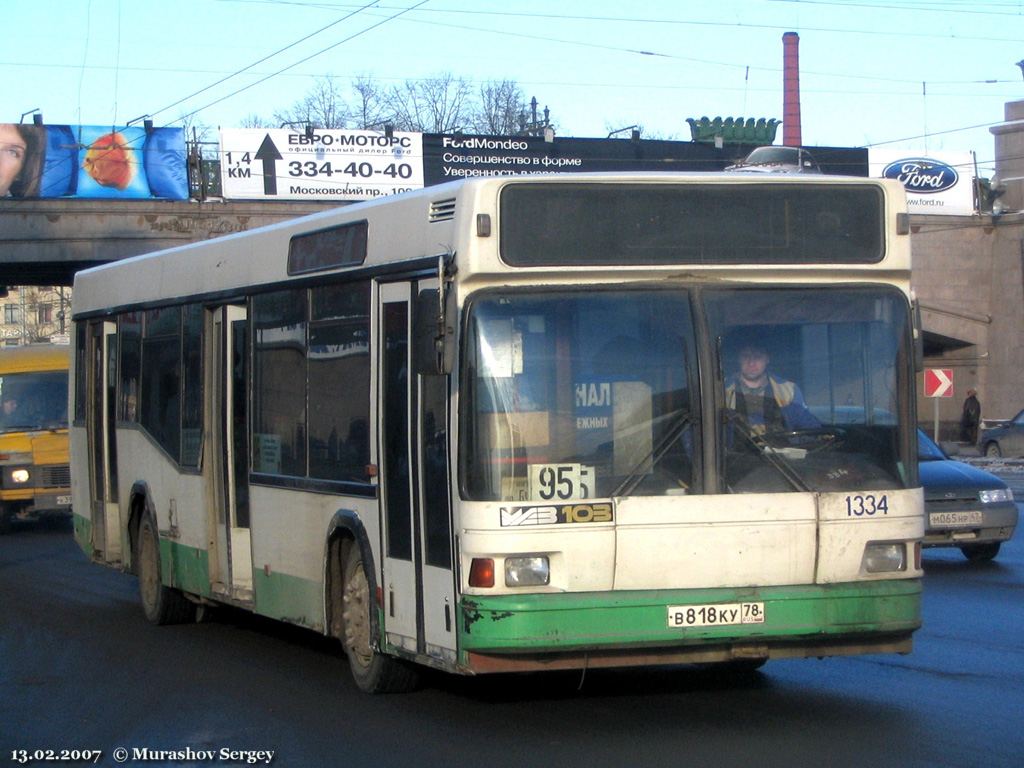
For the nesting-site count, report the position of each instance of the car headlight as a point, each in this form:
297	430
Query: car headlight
20	476
882	557
995	495
531	571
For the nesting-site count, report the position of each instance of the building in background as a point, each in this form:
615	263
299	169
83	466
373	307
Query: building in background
36	314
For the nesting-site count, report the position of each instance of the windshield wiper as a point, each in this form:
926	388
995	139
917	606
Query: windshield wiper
765	451
683	419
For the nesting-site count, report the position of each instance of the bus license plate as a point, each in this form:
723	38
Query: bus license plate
715	615
950	519
63	501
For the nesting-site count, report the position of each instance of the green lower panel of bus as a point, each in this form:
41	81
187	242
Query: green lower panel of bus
289	598
567	621
276	595
187	568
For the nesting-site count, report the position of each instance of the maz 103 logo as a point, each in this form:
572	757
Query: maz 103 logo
921	175
557	514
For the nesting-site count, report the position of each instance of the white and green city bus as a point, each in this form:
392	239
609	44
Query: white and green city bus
491	426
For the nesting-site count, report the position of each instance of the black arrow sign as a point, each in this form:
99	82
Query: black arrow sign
269	155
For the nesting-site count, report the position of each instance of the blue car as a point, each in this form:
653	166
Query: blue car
966	507
1003	438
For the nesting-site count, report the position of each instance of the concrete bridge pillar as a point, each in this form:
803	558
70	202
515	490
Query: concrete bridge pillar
1009	148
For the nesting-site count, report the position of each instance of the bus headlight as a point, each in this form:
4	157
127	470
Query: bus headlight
995	495
882	557
531	571
15	477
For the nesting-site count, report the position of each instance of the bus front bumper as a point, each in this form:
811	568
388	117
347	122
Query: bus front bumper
510	633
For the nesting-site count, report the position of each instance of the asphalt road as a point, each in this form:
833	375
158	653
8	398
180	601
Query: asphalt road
81	669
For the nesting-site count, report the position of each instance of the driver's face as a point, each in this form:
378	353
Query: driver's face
753	363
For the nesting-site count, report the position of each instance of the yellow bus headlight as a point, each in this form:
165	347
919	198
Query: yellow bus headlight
20	476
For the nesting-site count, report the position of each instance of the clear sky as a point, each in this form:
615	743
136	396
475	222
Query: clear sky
902	73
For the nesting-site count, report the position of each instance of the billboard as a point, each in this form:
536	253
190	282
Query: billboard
320	164
352	165
92	162
447	157
936	182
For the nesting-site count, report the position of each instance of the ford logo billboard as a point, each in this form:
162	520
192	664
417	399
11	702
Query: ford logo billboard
921	175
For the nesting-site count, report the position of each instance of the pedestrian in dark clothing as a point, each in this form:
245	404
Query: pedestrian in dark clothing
970	419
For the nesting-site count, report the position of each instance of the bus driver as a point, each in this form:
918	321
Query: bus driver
766	402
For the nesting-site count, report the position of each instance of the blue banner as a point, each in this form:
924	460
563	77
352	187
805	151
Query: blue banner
92	162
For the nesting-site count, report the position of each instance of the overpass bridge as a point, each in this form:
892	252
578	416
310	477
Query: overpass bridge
968	271
45	241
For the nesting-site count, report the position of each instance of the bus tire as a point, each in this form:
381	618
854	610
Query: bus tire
5	519
373	671
161	604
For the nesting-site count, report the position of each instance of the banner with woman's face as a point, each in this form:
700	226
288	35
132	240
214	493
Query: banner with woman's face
92	162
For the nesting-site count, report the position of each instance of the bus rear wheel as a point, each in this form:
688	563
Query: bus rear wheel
373	671
162	605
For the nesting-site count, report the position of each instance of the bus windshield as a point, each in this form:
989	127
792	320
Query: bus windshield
33	401
572	395
809	388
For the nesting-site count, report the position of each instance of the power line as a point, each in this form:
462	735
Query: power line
933	133
265	58
664	21
303	61
915	7
676	57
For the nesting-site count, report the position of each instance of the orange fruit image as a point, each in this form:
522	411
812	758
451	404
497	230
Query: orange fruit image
109	161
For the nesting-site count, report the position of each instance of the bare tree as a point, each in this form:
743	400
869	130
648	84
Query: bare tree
440	104
370	107
497	113
194	129
436	105
322	107
252	120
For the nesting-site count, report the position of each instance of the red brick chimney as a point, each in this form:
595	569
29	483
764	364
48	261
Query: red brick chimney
791	90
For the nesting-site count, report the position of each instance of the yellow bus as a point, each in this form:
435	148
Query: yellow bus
36	478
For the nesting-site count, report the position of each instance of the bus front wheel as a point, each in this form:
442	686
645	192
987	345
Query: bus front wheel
162	605
373	671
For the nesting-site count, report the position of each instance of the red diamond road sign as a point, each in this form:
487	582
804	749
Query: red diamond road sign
938	382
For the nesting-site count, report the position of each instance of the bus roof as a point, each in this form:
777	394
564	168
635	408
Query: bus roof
417	224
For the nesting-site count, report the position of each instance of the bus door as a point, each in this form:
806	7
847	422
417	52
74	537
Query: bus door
100	420
418	582
231	562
